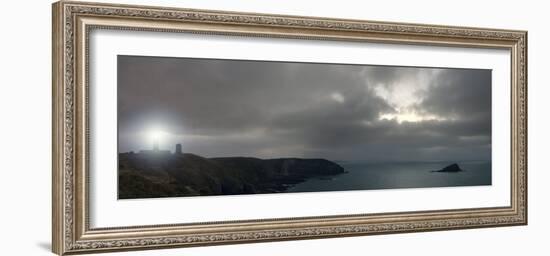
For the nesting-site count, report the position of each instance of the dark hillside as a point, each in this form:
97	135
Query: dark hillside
174	175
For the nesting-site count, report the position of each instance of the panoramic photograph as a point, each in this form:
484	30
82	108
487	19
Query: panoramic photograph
214	127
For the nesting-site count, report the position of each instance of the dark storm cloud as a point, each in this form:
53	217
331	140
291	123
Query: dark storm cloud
461	93
276	109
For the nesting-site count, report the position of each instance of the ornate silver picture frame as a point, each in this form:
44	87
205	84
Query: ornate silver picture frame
73	203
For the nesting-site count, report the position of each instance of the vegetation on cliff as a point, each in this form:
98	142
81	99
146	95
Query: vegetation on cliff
174	175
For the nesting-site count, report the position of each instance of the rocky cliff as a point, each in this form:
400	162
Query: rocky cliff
174	175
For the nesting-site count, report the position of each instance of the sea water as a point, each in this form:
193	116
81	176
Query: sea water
364	176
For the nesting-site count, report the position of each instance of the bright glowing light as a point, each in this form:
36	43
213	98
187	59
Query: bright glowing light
156	135
409	116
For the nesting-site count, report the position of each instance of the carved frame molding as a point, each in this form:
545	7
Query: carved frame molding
72	22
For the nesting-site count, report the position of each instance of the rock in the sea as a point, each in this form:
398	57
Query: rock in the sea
451	168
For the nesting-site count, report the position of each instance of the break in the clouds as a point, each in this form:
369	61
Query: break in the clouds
282	109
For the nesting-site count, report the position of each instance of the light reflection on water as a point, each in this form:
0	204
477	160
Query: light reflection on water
364	176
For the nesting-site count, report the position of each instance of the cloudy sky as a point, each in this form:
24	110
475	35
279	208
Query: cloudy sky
281	109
